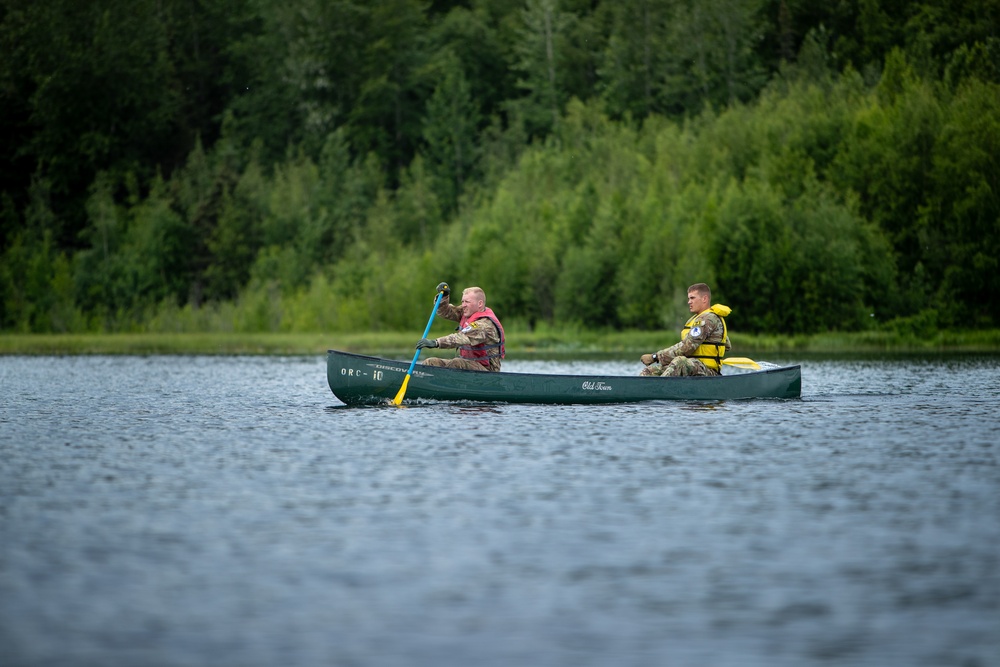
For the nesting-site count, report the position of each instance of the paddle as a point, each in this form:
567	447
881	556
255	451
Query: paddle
741	362
406	380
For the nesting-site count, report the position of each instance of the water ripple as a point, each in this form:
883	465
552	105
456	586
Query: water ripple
197	510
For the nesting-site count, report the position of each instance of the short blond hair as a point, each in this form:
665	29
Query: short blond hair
477	292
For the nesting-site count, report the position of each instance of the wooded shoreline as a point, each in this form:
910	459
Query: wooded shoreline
525	344
296	166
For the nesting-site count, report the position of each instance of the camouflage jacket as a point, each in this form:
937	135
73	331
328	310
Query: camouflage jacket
710	330
480	332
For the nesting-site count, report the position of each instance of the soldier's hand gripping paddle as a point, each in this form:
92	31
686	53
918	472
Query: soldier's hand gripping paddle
402	390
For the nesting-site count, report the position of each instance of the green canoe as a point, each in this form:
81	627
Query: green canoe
360	380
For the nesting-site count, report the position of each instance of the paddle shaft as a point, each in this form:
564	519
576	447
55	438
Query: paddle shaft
416	355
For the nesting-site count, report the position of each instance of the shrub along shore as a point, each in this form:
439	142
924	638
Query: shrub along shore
520	344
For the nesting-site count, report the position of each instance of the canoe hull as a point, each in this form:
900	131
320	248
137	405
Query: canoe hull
362	380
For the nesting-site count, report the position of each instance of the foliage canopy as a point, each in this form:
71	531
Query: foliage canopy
306	165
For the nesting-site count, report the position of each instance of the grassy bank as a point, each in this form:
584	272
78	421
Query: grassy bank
524	343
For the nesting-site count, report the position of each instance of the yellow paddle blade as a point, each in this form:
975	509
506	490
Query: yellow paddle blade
402	390
741	362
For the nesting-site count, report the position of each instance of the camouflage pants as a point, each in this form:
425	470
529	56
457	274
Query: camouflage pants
457	362
678	366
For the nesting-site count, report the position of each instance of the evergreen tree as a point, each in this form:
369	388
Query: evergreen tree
450	130
538	52
636	61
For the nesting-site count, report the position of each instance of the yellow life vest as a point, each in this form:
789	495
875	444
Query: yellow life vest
710	354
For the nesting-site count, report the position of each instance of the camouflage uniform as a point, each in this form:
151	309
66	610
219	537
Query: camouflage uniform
482	331
710	330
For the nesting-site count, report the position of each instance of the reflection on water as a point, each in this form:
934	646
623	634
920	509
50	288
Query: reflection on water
207	510
478	409
696	406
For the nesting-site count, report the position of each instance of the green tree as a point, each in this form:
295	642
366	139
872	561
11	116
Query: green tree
420	214
298	75
36	284
716	44
98	266
960	224
95	91
481	37
538	53
636	61
886	159
237	236
450	131
796	268
386	117
155	250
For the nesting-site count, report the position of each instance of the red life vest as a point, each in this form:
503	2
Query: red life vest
484	351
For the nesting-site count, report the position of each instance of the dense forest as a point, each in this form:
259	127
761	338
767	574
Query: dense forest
320	165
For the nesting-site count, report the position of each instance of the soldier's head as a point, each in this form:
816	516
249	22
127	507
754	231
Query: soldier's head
473	300
699	297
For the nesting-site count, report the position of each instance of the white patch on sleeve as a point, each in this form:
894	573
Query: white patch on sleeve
696	332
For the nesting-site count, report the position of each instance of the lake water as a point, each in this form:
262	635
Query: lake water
176	511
